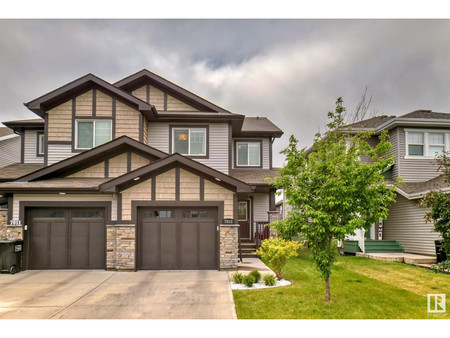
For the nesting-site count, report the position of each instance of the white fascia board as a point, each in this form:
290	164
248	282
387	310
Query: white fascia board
413	122
418	195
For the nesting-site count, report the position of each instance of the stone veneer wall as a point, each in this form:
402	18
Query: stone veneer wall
229	246
14	231
120	247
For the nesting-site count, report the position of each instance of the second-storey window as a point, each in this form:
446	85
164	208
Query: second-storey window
92	133
424	143
416	144
436	143
41	144
189	141
248	154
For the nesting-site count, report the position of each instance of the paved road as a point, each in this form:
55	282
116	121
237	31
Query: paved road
99	294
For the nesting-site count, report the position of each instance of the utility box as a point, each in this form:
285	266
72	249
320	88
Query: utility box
11	255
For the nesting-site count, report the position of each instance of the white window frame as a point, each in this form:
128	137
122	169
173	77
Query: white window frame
204	129
248	154
93	134
426	145
41	144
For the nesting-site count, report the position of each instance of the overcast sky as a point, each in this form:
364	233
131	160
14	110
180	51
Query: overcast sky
291	71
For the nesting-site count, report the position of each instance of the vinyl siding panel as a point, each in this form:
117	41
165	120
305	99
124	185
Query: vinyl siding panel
165	186
118	165
174	104
157	98
158	137
127	121
59	152
103	105
405	224
60	122
140	93
30	147
94	171
260	207
394	137
214	192
139	192
189	186
10	151
17	198
415	170
372	141
83	104
138	161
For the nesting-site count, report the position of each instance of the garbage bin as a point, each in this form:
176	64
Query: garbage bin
10	255
441	255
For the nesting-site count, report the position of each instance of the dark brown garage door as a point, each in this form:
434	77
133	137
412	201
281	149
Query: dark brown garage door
66	238
177	239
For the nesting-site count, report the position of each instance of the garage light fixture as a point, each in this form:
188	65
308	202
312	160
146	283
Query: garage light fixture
217	179
136	178
62	193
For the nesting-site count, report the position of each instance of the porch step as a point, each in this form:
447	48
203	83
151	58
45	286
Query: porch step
247	249
373	246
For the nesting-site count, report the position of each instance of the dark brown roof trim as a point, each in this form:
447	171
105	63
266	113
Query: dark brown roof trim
259	134
96	154
172	161
18	125
64	93
133	81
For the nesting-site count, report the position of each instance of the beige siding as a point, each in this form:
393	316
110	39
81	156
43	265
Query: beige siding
60	122
138	161
103	105
95	171
405	224
140	93
413	169
165	186
83	104
30	147
189	186
157	98
214	192
174	104
117	165
139	192
260	207
127	121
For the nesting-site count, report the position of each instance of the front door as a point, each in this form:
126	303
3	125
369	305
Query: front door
244	219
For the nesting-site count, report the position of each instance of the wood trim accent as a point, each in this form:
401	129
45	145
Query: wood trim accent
141	128
172	126
177	183
107	168
22	147
235	207
153	178
94	102
37	144
74	108
230	149
10	209
119	207
128	161
251	218
270	152
113	118
260	153
60	142
46	139
147	93
202	189
165	101
272	200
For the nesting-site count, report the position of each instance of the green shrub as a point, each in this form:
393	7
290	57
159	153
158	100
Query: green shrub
256	275
441	267
248	280
238	277
269	280
277	251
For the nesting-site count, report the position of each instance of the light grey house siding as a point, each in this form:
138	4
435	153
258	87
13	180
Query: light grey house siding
260	207
30	147
372	141
59	152
415	170
9	151
405	224
265	150
158	137
394	137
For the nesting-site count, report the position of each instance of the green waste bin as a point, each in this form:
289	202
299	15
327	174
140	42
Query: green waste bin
10	255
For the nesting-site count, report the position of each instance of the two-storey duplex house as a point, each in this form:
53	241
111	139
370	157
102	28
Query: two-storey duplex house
139	174
416	137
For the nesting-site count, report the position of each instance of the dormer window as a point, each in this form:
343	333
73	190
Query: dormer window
92	133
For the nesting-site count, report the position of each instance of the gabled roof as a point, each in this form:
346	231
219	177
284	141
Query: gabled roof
426	114
145	76
91	157
16	170
415	190
373	122
172	161
66	92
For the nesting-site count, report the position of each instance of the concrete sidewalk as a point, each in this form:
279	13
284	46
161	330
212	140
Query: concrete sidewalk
95	294
412	259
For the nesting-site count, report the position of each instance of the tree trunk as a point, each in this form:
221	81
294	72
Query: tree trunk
327	292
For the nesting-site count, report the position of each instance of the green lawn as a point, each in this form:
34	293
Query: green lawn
360	288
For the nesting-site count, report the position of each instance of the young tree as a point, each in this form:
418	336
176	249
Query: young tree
439	204
331	191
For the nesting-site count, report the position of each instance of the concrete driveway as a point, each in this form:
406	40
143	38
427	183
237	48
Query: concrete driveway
99	294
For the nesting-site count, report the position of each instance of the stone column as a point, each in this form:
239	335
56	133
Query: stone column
229	246
120	247
14	231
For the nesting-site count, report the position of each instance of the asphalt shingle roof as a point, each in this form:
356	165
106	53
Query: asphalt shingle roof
16	170
254	176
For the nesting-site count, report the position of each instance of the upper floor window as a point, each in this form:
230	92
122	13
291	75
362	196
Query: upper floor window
248	153
426	143
41	144
189	141
92	133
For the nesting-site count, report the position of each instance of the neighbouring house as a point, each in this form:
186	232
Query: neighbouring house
9	147
416	137
139	174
